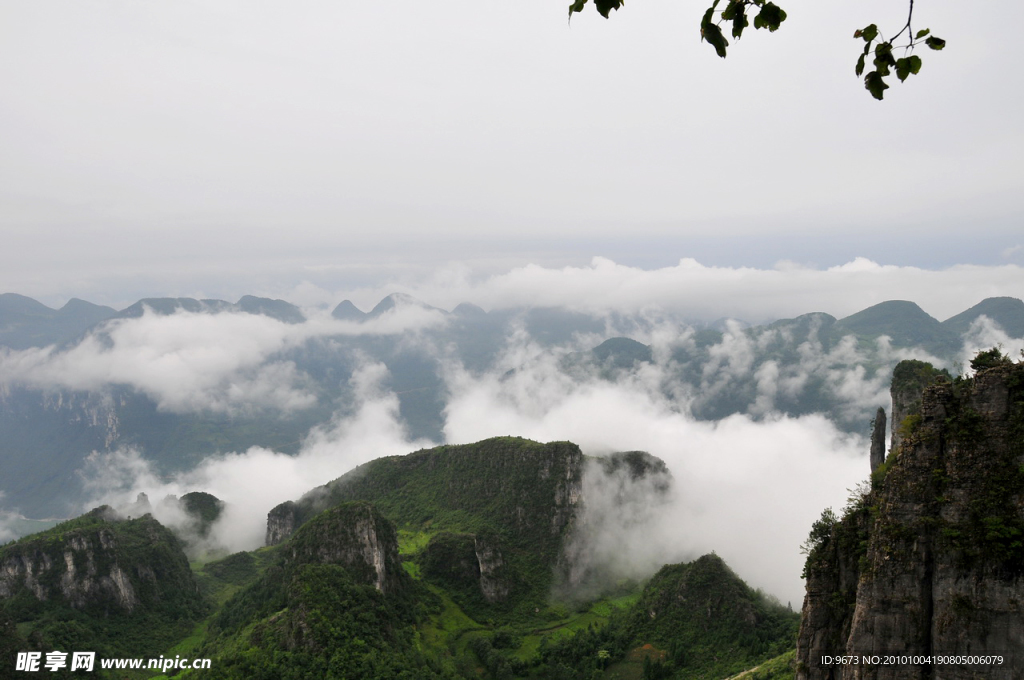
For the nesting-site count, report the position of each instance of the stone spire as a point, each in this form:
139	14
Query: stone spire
878	440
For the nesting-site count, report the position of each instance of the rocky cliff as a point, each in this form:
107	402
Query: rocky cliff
95	562
355	536
96	581
529	489
930	561
493	515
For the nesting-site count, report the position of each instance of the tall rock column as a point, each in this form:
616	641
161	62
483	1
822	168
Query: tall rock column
878	440
936	548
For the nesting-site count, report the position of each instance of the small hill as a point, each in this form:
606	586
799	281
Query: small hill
14	306
693	620
25	323
166	306
333	602
275	309
398	301
622	352
714	620
904	322
1008	312
347	311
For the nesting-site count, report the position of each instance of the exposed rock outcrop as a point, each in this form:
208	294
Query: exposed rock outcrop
931	561
878	440
356	536
471	566
97	564
282	520
510	478
494	577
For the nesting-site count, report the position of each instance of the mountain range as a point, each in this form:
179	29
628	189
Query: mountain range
52	420
463	562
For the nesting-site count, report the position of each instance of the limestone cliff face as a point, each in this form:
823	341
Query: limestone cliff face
470	566
494	577
356	536
931	560
282	520
878	440
532	490
100	565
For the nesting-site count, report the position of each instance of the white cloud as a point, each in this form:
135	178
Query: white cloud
985	333
747	490
254	481
189	362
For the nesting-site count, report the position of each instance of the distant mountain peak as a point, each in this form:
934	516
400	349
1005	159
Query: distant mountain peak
396	300
1008	312
904	322
468	309
347	311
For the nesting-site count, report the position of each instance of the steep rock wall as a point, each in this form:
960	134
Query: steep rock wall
931	560
98	565
357	537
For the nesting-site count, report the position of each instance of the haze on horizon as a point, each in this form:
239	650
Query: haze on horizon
217	149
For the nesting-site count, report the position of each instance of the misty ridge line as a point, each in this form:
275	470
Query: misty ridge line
690	290
217	358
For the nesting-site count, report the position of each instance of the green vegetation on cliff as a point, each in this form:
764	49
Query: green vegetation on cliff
511	500
436	565
118	587
333	601
693	620
931	555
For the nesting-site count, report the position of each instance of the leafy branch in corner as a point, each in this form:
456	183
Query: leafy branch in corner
769	15
883	59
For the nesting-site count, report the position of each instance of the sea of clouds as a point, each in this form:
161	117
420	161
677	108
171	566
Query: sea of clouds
747	486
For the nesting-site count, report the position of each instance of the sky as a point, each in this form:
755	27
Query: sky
217	149
496	153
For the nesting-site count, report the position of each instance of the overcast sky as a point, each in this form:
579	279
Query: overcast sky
310	149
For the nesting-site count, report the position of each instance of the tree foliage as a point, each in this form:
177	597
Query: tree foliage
735	15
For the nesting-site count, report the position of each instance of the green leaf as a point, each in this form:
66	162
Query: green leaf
869	33
730	10
577	6
708	15
922	33
606	6
710	31
915	64
883	58
935	43
902	68
770	17
739	22
875	85
860	65
713	34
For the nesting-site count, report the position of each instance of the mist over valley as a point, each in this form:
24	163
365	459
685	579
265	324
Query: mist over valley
256	402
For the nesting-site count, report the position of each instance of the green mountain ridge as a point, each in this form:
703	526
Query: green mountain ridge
377	590
1007	312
